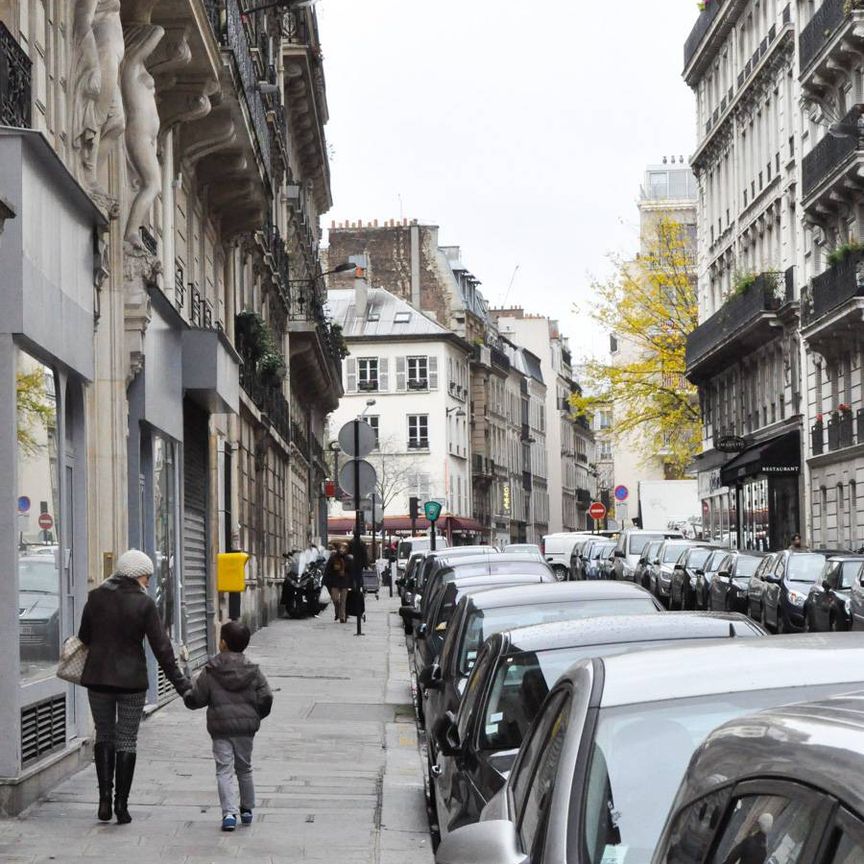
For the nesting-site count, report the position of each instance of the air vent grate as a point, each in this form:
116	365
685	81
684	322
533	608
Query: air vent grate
43	728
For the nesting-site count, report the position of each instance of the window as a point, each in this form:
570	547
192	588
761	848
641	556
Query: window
367	373
418	373
373	422
418	431
605	451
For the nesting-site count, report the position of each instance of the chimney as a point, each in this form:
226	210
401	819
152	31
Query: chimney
361	287
415	266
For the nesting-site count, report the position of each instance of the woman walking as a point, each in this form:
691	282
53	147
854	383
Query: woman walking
117	616
337	577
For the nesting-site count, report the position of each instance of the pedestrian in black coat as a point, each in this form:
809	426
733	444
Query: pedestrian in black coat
117	617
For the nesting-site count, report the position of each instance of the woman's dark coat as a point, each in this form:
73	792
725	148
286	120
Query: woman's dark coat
117	617
337	571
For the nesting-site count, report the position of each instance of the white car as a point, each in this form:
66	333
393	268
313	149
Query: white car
557	549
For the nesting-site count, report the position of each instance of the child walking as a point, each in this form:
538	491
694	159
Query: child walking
237	697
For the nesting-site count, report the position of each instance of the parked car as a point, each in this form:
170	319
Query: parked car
792	764
39	607
829	604
557	549
582	554
596	562
682	588
661	571
786	588
443	558
527	548
514	672
705	576
409	545
630	545
756	585
728	589
602	762
642	572
480	615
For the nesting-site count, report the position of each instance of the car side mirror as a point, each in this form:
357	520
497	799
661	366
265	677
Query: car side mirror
619	553
447	735
724	574
700	572
482	843
422	630
428	674
678	567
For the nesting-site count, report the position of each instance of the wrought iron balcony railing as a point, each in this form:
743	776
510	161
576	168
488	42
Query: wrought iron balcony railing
838	284
830	153
820	29
735	313
267	398
842	430
15	83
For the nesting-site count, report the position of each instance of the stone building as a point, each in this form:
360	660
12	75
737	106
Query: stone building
744	356
165	361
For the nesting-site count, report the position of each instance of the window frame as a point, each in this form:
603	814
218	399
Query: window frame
420	441
371	362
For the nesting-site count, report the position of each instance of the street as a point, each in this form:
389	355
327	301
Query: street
337	770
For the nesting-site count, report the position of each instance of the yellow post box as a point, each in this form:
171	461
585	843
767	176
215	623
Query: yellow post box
231	571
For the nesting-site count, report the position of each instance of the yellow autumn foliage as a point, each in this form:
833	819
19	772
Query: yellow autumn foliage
650	306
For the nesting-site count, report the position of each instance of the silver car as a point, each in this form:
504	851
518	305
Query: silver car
601	764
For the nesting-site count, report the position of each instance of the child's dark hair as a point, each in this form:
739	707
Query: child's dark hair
235	635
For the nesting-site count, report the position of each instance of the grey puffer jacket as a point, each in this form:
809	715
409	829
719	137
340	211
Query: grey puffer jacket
235	693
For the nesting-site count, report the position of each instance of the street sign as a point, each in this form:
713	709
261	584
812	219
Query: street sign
46	521
622	493
329	488
23	504
730	444
432	509
597	511
365	439
367	478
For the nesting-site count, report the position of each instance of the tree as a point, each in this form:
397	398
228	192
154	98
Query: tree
33	408
396	474
650	306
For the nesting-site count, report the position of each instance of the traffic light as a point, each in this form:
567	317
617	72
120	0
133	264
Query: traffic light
413	507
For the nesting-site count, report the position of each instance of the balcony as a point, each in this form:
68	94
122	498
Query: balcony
499	358
826	166
418	444
833	307
583	499
211	370
527	481
821	30
481	467
743	323
299	440
267	398
841	431
15	82
418	384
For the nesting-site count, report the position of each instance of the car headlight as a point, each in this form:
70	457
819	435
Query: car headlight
796	598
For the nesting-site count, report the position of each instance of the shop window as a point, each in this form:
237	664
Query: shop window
38	509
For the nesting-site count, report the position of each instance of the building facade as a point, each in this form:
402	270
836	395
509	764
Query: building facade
167	364
745	354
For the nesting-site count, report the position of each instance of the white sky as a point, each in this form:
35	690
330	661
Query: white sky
522	129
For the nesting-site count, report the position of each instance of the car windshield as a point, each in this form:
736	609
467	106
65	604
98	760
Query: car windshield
715	560
805	567
636	543
849	573
673	551
38	577
746	566
484	623
622	813
651	549
602	550
698	557
404	550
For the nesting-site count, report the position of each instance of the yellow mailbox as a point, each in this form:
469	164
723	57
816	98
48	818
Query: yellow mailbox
231	571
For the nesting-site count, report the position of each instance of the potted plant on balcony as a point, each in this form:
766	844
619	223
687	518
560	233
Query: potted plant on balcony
271	368
843	251
250	333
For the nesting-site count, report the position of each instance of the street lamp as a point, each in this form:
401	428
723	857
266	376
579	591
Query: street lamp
460	412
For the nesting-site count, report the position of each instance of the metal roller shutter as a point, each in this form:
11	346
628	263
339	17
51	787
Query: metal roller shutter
195	534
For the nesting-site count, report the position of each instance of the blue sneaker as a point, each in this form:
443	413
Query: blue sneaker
229	822
246	817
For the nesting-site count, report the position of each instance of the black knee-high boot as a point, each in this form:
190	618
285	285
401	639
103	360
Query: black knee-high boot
125	773
103	755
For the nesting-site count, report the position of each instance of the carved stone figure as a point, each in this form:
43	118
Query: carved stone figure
97	110
142	122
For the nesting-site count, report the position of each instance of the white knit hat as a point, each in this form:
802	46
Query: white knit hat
134	563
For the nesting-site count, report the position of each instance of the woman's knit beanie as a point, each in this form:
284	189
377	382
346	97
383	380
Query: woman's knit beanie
134	563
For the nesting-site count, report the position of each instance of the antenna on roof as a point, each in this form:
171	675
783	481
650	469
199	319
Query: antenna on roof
507	293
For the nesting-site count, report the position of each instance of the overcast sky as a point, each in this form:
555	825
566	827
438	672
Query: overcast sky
522	129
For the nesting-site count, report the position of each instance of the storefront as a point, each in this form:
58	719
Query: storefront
719	509
764	480
47	306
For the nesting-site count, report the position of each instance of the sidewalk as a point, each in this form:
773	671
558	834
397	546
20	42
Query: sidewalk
337	769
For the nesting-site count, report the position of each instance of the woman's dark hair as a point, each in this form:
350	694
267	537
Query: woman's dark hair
235	635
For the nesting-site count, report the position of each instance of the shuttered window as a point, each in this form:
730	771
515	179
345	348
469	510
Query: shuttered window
351	375
383	374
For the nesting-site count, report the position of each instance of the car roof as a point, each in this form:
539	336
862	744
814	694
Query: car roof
615	629
739	665
553	592
500	558
496	580
825	740
753	553
848	557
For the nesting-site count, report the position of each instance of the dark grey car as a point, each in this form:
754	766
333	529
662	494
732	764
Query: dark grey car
514	673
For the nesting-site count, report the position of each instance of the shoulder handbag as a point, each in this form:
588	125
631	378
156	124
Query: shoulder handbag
73	656
355	605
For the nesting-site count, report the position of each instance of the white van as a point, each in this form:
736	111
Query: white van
419	543
557	549
630	545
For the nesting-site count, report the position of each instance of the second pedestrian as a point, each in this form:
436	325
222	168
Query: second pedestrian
337	576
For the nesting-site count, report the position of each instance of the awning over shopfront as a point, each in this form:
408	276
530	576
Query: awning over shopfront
776	456
392	524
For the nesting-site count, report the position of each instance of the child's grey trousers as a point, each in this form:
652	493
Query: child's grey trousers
234	757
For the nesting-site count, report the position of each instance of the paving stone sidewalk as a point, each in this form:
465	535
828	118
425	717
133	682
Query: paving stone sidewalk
337	768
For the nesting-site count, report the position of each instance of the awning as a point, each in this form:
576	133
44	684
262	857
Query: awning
780	455
461	523
345	524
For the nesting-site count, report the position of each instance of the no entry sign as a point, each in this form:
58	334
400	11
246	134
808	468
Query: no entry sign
46	521
597	511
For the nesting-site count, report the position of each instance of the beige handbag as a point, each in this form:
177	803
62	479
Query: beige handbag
73	656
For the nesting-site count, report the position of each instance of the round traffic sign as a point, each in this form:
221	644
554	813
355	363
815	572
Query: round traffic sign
46	521
23	504
365	439
622	493
367	478
597	511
